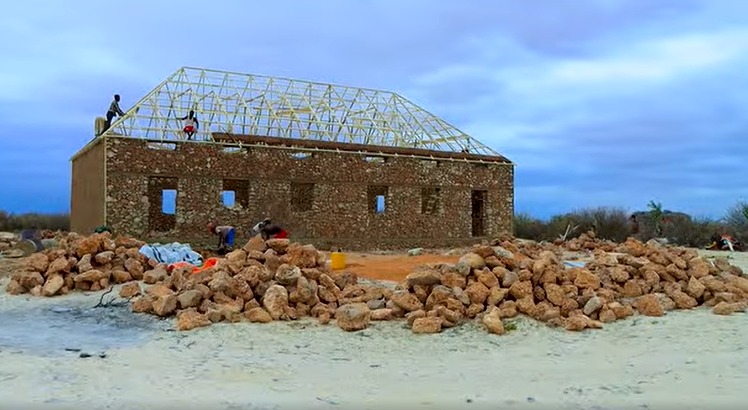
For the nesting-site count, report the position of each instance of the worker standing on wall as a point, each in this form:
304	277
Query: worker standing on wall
191	124
113	111
225	234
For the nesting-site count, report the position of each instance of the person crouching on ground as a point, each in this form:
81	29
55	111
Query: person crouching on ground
269	230
225	234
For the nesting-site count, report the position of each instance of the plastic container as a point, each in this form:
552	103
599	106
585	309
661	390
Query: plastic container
337	260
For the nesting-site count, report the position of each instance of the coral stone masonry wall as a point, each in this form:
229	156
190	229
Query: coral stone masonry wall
329	198
87	188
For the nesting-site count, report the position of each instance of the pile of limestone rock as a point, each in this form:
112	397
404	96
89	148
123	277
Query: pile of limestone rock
262	282
275	280
86	263
492	283
279	280
7	240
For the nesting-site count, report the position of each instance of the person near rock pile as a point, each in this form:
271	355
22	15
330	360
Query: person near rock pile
268	230
725	242
225	234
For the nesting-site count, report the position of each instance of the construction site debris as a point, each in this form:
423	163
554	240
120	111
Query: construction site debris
78	262
276	280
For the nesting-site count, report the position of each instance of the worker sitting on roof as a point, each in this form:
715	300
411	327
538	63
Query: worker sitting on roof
225	235
268	230
190	124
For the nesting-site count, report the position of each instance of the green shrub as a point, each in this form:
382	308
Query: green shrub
527	227
607	223
736	221
695	233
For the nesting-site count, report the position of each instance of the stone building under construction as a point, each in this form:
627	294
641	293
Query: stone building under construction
337	166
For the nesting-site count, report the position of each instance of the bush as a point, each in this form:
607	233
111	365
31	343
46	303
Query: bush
527	227
696	233
607	223
13	223
736	221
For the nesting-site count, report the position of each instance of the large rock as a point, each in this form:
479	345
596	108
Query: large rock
15	288
135	268
191	319
279	245
492	322
154	275
165	305
474	260
453	279
102	258
130	290
88	245
424	276
302	256
190	298
382	314
287	274
275	300
406	301
37	262
592	305
29	280
587	280
649	305
53	285
726	308
353	316
84	264
695	288
427	325
255	244
698	268
258	315
477	292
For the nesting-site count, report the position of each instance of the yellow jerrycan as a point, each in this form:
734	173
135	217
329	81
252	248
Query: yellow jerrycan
337	260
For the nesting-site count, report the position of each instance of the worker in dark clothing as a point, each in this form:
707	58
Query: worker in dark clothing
113	111
269	230
225	234
190	124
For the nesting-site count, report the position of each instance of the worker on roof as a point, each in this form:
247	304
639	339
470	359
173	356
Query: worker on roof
113	111
225	234
191	124
268	230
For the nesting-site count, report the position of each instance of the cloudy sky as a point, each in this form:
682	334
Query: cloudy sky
599	102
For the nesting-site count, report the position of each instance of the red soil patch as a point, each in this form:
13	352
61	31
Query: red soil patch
390	267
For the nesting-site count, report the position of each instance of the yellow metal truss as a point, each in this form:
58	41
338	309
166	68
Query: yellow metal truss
250	104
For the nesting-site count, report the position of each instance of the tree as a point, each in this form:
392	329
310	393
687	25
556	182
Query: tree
655	214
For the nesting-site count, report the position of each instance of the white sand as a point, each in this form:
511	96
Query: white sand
692	359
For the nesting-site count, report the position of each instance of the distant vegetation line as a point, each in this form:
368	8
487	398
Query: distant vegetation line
607	222
616	224
16	222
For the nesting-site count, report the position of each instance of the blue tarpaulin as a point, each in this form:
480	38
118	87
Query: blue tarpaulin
172	253
574	264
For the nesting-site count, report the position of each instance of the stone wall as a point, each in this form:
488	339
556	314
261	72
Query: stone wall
87	188
276	182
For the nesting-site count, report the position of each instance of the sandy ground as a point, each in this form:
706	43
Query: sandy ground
692	359
391	267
